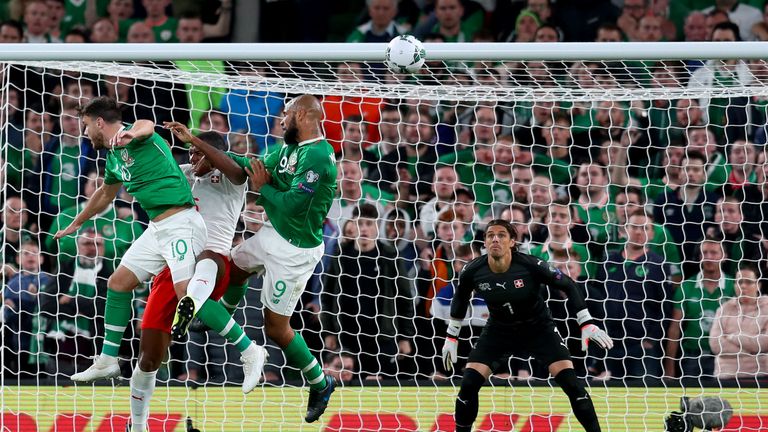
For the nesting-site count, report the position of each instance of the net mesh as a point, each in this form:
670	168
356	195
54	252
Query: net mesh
571	153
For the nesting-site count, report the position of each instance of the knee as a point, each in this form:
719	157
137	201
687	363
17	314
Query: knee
280	334
150	362
118	284
570	384
471	383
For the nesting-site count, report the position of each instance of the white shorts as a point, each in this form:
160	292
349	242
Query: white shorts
175	241
286	268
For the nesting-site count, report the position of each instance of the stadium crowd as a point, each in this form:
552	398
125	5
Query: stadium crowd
657	207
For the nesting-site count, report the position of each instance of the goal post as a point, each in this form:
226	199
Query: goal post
571	142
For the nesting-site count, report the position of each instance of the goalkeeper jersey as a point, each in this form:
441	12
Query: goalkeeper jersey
219	202
150	174
302	190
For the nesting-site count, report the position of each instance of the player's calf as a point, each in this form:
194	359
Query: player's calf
581	403
467	401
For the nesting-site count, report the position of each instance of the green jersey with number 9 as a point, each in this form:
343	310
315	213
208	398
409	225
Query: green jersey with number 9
150	174
302	190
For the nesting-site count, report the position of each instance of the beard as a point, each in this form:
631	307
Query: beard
98	141
291	135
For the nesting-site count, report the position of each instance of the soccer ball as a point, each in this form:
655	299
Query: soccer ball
405	54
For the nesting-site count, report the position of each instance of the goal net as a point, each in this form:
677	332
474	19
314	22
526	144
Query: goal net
642	179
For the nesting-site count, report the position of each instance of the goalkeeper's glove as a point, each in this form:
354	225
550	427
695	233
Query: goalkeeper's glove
451	345
589	331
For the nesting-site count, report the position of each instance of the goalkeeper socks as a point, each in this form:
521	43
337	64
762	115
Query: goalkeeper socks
117	315
581	403
218	319
203	282
232	297
467	401
142	387
297	355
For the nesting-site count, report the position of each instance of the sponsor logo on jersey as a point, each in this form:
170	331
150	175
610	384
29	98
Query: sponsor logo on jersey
127	159
484	286
312	176
215	179
305	188
519	283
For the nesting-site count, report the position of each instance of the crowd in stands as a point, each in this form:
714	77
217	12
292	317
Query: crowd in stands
656	207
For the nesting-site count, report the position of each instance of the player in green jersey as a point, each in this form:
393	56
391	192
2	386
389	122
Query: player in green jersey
141	161
297	185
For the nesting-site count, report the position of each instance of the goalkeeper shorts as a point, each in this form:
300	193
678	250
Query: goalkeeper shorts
162	301
541	341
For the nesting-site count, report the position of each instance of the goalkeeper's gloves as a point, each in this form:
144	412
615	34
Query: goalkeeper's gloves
451	345
589	331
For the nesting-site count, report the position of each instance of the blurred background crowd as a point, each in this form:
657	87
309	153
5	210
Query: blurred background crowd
657	207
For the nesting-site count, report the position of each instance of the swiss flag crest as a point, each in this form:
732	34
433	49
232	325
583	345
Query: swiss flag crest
519	283
215	179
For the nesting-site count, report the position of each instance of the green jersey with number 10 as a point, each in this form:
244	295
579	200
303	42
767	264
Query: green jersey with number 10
302	190
150	174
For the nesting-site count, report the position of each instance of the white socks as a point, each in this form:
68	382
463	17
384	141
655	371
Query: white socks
203	282
142	387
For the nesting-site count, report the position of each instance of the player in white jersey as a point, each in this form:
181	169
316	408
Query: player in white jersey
218	187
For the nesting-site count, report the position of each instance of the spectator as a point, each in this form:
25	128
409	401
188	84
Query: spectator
341	366
21	302
754	199
760	30
687	114
631	14
55	17
214	121
688	211
695	28
542	9
103	31
635	296
399	168
702	140
477	314
741	166
161	25
526	24
352	191
119	13
364	289
608	32
519	186
649	30
739	335
140	32
353	148
518	217
714	18
728	115
382	26
444	187
740	245
70	310
15	232
396	229
66	162
76	35
739	13
37	22
255	111
694	305
118	233
594	207
542	195
11	32
389	130
190	29
559	222
672	14
548	33
452	24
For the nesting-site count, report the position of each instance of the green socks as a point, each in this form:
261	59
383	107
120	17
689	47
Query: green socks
232	296
297	354
117	315
220	320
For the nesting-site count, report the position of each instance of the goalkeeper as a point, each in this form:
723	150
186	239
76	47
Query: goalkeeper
520	322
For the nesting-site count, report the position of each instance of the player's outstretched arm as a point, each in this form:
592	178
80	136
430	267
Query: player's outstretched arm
97	204
220	160
141	130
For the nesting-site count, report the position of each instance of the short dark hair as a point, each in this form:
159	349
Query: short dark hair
504	224
696	155
15	24
634	190
728	25
104	107
365	210
215	139
751	267
79	31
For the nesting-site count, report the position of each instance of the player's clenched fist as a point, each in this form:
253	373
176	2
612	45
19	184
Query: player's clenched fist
591	332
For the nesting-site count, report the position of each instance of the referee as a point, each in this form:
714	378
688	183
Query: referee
520	322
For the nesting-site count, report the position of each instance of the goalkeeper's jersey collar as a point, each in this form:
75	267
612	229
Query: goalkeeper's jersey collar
311	140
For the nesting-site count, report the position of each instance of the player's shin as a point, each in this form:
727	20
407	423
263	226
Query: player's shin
203	282
581	403
142	387
218	319
467	401
297	354
232	297
117	315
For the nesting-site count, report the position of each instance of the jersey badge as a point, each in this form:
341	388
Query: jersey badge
291	168
484	286
127	159
312	176
215	179
519	283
